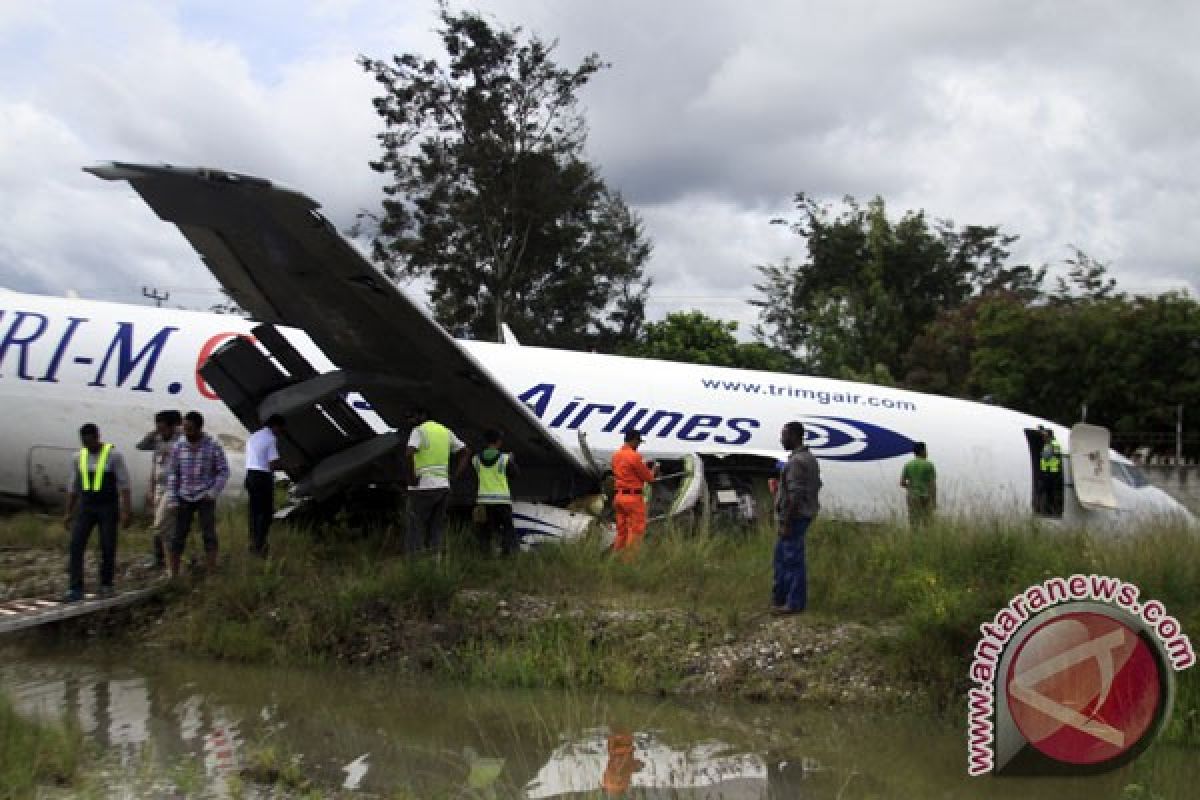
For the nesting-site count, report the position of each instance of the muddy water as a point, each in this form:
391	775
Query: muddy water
167	725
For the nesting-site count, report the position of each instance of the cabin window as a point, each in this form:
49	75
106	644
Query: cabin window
1129	474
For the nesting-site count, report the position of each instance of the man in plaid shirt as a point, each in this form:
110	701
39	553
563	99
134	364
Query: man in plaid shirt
196	474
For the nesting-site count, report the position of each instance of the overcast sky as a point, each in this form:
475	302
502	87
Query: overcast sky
1064	122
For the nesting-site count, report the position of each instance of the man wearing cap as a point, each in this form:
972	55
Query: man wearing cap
631	475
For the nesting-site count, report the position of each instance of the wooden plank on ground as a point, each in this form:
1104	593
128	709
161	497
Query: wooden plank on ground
22	614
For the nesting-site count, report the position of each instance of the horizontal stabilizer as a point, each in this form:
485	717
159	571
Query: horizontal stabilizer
326	443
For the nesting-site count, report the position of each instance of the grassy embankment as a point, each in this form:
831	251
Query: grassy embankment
34	754
574	617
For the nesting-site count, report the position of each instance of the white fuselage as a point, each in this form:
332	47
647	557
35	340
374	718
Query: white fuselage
862	434
64	362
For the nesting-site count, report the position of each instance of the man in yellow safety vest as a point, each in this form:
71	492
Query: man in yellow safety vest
100	490
1050	476
430	445
494	499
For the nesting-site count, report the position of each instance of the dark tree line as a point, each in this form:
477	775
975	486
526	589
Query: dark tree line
930	306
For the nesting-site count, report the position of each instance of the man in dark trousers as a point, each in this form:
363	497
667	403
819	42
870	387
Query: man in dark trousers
795	507
196	474
100	489
919	479
262	459
430	445
1050	476
493	467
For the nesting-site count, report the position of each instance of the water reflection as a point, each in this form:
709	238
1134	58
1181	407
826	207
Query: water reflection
129	715
365	733
618	760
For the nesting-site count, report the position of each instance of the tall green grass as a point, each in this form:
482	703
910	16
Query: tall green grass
941	583
324	599
930	589
36	754
42	531
29	530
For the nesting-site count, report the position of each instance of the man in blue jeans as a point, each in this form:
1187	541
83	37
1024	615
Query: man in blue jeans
795	507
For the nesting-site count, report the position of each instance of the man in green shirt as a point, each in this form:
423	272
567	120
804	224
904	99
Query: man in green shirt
919	478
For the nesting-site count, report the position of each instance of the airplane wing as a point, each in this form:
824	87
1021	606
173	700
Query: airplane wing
284	263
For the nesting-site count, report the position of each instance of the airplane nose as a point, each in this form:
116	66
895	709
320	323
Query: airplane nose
1190	520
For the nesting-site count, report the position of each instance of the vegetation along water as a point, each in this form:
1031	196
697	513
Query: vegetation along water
894	613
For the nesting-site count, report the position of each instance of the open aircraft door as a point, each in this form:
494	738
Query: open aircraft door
1091	471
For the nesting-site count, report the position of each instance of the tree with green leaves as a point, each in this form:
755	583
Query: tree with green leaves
1131	360
697	338
939	358
868	285
490	197
1087	279
950	357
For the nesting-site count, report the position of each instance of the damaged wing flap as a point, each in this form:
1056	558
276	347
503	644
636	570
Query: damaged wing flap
326	444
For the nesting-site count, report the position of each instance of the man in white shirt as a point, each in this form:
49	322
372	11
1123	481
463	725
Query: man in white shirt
430	446
262	459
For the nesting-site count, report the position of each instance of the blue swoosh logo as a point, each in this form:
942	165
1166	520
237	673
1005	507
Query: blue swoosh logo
841	439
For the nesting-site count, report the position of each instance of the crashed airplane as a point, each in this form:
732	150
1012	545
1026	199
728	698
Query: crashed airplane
342	354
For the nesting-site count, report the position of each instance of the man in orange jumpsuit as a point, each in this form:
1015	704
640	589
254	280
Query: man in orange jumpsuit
631	475
622	764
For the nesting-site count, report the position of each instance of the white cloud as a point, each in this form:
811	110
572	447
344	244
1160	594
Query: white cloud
60	232
161	96
706	250
1064	123
1068	124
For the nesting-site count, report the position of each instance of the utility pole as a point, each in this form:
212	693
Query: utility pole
153	294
